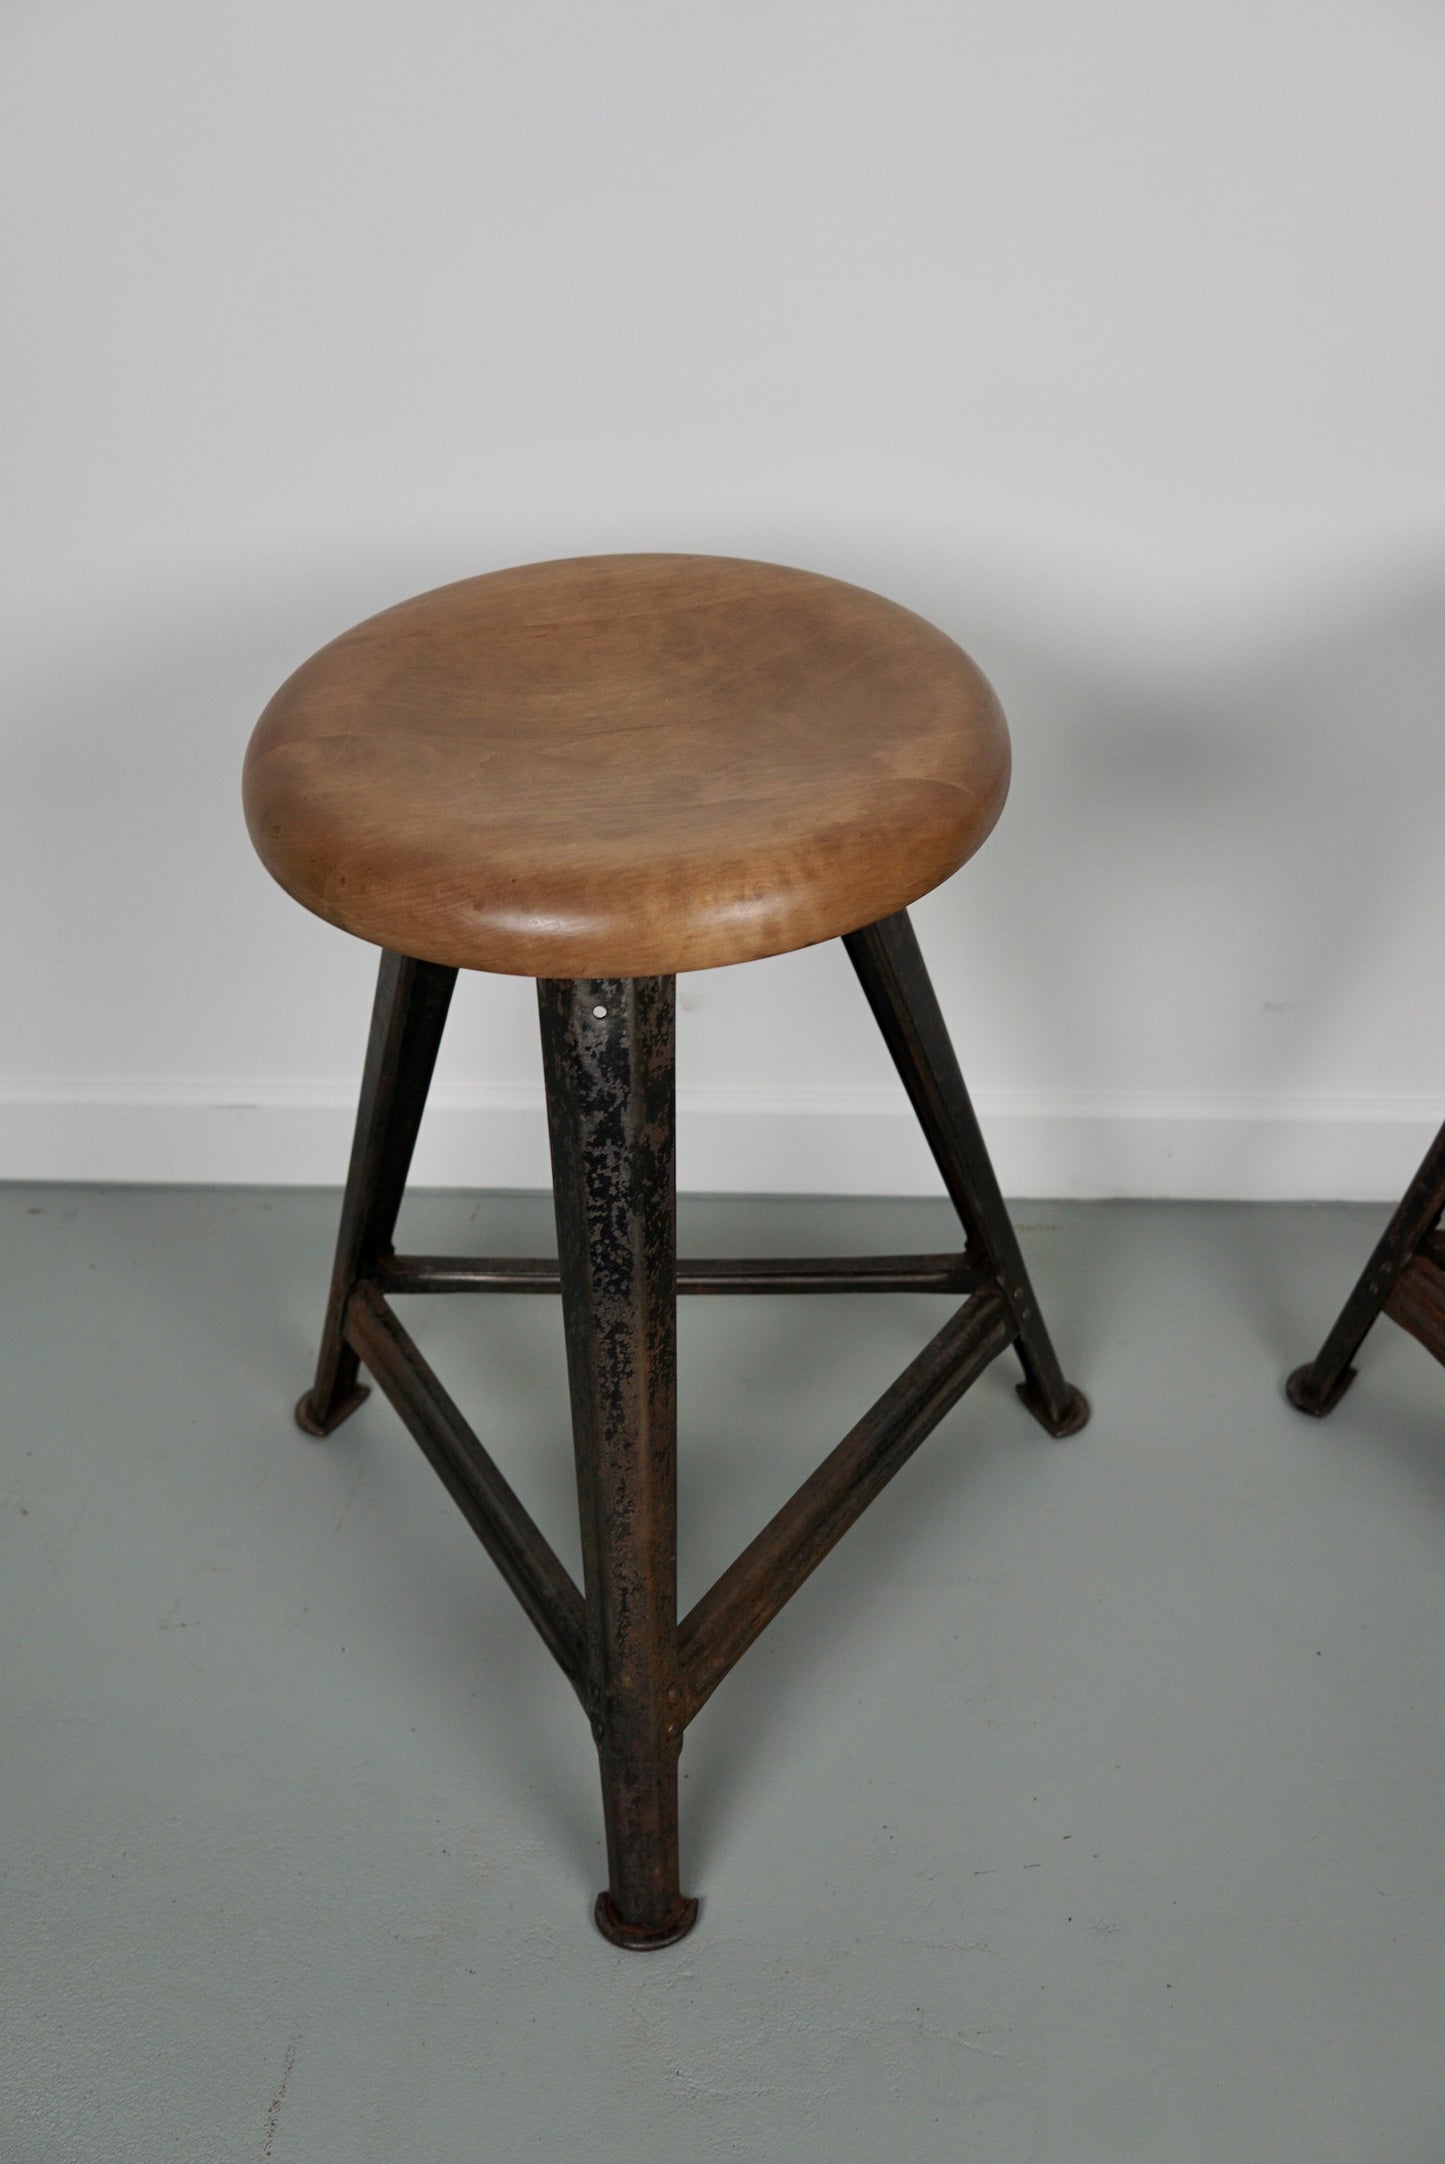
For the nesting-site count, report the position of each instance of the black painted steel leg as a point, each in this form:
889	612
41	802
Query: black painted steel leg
607	1048
892	972
406	1029
1318	1386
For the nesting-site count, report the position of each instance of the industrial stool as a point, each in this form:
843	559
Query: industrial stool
599	773
1404	1278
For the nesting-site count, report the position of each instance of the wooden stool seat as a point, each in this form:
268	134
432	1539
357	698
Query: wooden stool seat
625	766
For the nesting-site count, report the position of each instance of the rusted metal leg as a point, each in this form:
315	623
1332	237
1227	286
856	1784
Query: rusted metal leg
1318	1386
406	1029
607	1050
893	976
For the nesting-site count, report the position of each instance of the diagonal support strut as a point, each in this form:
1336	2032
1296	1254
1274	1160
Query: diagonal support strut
790	1547
480	1490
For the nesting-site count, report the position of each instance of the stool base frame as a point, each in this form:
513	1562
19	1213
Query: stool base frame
640	1673
1404	1279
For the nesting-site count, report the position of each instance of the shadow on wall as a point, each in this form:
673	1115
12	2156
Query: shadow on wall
1214	877
1218	879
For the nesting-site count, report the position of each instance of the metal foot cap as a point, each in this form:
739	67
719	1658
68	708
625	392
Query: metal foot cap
1075	1414
644	1938
1306	1398
342	1410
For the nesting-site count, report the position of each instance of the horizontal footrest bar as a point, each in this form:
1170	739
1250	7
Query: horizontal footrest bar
475	1483
771	1568
1417	1303
827	1273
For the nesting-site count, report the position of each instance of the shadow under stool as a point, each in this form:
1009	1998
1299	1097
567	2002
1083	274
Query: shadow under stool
600	773
1404	1279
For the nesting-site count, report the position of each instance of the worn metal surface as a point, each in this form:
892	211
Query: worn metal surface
1318	1386
607	1058
897	986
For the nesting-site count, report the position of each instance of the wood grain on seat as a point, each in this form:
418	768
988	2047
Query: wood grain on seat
625	766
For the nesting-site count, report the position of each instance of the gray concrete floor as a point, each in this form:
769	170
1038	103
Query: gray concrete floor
1086	1805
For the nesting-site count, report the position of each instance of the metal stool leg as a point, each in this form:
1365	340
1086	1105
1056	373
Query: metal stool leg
406	1030
607	1048
1318	1386
892	972
608	1056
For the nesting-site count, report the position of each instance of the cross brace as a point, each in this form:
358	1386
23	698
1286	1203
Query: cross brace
724	1623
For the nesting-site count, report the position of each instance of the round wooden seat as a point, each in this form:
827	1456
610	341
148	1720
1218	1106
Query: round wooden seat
625	766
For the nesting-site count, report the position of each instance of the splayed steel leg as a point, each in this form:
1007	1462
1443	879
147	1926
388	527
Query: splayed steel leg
607	1049
406	1029
893	976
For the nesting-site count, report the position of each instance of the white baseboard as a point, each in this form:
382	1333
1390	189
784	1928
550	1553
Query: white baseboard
1045	1144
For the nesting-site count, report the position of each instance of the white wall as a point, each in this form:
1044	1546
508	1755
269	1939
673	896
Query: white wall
1109	336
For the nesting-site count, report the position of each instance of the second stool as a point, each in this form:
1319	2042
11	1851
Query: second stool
600	773
1404	1279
